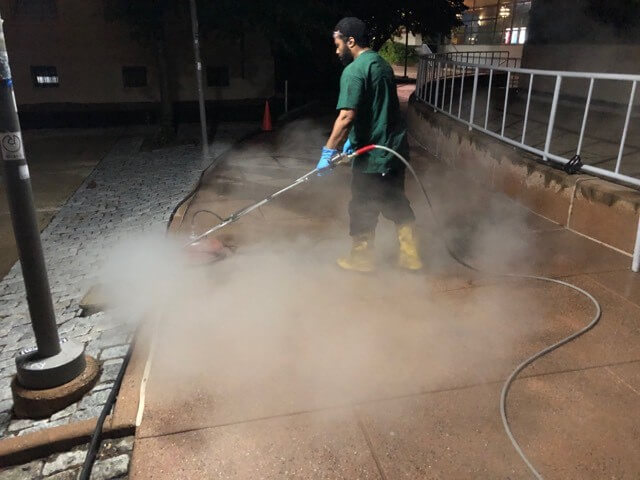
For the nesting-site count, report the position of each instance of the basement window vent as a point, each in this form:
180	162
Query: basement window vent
218	76
45	76
134	77
37	8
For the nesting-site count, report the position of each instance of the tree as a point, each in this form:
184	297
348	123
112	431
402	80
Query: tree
299	33
430	18
149	22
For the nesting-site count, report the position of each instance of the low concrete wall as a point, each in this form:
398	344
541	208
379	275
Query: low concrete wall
596	208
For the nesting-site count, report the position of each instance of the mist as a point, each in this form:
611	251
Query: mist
276	327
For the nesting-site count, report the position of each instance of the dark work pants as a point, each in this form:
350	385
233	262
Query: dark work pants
373	194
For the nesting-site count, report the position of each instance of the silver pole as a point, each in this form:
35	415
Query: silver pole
584	118
53	362
444	86
486	115
506	104
435	104
432	74
473	98
626	126
635	265
453	79
526	112
464	74
552	118
198	61
406	50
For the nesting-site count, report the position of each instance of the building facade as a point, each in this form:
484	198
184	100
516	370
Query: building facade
499	25
67	56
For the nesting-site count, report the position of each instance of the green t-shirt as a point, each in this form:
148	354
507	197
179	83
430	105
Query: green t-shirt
367	86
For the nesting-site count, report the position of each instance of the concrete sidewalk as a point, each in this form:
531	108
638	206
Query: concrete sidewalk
275	364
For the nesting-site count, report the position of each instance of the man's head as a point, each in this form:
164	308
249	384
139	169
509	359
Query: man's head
350	36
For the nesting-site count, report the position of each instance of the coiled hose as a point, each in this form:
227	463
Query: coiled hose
507	384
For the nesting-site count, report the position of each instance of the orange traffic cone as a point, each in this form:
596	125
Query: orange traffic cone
266	118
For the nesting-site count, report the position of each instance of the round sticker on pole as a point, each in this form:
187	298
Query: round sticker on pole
11	146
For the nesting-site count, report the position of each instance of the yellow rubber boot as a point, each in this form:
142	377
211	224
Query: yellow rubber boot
408	256
361	258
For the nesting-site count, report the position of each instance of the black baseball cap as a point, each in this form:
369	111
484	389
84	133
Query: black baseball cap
353	27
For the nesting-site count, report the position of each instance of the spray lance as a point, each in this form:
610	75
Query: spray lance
338	159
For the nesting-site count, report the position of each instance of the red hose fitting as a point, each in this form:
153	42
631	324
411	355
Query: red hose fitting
362	150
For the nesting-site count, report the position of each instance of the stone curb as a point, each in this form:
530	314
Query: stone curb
122	422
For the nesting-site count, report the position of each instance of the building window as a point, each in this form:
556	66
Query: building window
134	77
45	76
515	36
37	8
218	76
500	21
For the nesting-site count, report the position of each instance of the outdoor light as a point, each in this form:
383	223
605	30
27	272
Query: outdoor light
504	11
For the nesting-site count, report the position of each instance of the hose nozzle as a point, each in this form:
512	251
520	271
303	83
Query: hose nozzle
342	158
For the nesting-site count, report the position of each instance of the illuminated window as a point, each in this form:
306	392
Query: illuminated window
45	76
523	35
515	36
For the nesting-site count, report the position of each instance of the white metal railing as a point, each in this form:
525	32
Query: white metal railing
436	86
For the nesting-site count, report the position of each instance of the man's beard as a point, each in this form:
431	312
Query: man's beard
346	57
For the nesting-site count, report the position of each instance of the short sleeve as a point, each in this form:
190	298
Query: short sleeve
351	90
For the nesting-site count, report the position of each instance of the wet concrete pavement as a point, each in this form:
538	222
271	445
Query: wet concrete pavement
275	364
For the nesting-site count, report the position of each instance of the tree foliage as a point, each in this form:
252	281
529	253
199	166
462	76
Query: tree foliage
430	18
298	32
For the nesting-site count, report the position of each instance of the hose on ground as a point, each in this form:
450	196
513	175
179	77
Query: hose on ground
343	158
509	382
96	437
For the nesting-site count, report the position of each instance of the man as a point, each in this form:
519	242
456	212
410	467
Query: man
369	112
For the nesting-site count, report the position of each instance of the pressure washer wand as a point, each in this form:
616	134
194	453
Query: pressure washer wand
339	159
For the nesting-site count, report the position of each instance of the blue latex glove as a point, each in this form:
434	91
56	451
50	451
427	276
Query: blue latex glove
324	163
348	148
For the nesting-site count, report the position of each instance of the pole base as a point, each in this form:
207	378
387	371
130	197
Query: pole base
29	403
37	373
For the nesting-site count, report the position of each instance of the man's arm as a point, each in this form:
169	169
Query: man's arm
341	128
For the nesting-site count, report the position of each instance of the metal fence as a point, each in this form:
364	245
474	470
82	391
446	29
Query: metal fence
442	78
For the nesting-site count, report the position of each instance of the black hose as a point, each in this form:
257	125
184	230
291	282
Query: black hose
96	437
